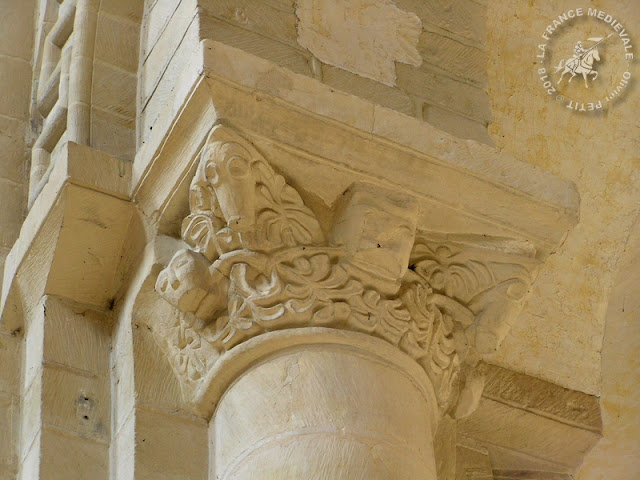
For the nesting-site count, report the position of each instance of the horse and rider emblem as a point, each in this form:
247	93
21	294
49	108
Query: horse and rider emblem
582	61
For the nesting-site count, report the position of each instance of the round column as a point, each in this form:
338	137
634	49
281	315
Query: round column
351	409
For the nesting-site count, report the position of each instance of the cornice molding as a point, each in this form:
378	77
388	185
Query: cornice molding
325	140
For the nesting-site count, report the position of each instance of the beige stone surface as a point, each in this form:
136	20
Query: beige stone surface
261	244
16	46
65	408
361	36
326	413
268	29
616	456
225	64
71	457
232	193
559	336
13	72
13	149
169	447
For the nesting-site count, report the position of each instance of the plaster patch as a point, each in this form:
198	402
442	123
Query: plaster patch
365	37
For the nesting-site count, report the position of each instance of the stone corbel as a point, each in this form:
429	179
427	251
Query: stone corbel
254	259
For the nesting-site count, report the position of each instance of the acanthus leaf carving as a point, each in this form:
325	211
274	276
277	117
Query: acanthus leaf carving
259	262
238	201
491	281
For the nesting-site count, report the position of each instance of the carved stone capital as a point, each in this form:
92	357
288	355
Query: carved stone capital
257	261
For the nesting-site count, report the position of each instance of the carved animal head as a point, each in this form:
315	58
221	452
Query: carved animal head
186	280
226	167
237	201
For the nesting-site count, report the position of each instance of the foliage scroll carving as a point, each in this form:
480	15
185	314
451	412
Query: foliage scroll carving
258	261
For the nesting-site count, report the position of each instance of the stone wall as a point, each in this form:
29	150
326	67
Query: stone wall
114	83
445	85
563	325
17	21
91	383
16	47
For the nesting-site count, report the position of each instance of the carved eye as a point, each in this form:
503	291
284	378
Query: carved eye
211	173
163	282
237	166
181	262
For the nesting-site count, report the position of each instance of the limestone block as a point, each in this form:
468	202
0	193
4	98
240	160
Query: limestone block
473	462
31	416
561	425
164	50
131	10
278	52
123	388
156	90
455	57
369	89
157	15
441	90
123	448
456	124
465	18
362	36
9	411
59	394
11	361
77	338
156	386
70	457
30	464
117	42
33	348
86	166
170	447
265	17
103	220
75	403
113	134
16	25
544	397
114	90
13	152
11	215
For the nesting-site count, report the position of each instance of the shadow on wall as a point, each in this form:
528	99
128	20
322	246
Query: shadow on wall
616	456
